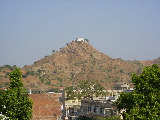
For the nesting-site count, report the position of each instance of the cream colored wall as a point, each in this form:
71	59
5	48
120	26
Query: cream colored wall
72	103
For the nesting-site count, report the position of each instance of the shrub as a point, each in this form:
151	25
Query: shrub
30	73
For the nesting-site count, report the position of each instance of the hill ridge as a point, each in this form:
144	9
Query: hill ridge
78	60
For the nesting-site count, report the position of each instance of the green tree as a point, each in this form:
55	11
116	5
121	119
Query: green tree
30	72
53	51
14	102
144	102
85	89
39	71
108	118
10	67
86	40
1	91
70	93
55	90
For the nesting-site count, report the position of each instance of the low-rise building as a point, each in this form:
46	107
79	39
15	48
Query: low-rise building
121	86
102	108
72	106
46	106
117	89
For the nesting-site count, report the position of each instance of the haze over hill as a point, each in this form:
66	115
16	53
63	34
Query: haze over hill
77	61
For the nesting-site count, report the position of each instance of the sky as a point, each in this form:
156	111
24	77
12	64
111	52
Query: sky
31	29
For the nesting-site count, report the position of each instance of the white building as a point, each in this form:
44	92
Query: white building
80	39
121	86
100	108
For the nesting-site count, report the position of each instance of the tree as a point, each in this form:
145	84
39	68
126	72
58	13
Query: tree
55	90
85	89
70	93
2	91
14	102
10	67
53	51
144	102
108	118
86	40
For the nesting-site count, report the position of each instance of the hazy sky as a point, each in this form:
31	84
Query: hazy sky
31	29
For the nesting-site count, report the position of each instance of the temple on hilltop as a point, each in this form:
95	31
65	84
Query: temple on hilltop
79	39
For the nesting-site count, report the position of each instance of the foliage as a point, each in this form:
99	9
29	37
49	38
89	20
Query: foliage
48	82
121	71
8	66
98	118
2	117
55	90
37	91
24	75
1	91
41	79
14	102
84	118
59	79
85	89
53	51
144	102
39	71
55	71
46	56
86	40
70	93
109	118
30	72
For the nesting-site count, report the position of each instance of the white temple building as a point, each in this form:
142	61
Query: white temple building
79	39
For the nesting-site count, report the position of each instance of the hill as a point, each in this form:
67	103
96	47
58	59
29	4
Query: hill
77	61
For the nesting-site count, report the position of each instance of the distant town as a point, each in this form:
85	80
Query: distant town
55	105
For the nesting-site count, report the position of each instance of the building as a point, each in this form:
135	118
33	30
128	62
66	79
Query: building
46	106
121	86
79	39
117	89
102	108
